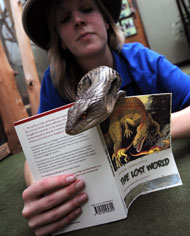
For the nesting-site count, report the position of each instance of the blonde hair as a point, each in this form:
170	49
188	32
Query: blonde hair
64	70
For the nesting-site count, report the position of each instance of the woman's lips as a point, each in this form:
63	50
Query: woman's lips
85	36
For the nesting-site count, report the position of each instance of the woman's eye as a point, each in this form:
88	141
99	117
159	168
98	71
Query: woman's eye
87	10
64	19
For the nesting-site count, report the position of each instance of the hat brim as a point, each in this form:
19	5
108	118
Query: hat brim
35	24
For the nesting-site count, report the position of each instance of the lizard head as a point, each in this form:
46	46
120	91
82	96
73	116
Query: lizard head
97	93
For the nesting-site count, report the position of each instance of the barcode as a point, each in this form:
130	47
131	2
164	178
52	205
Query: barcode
104	208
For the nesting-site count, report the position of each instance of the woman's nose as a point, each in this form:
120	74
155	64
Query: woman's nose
78	19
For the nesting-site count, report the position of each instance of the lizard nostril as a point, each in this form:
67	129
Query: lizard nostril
69	130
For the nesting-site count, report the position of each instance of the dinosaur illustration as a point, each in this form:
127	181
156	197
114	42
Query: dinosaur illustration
128	113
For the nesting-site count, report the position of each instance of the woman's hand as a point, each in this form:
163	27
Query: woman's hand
180	124
51	203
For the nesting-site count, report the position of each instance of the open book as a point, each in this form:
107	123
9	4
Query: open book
126	156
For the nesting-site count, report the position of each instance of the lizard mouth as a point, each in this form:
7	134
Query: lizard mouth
69	131
139	144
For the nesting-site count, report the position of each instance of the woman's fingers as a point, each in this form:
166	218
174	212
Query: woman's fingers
58	212
51	203
53	199
44	186
58	225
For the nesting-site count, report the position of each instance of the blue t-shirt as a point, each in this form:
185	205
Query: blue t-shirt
142	70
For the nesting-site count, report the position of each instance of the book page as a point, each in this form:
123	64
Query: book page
137	135
50	151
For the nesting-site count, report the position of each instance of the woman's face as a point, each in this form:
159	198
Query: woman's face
82	28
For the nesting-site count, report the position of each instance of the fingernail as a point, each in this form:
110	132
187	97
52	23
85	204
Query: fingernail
83	198
80	185
70	179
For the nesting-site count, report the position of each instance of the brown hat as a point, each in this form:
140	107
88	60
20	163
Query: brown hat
35	24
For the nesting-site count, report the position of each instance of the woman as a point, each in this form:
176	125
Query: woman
80	35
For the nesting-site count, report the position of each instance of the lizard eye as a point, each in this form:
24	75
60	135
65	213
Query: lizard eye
84	116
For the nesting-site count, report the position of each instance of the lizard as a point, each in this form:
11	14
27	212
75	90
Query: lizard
130	112
97	93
